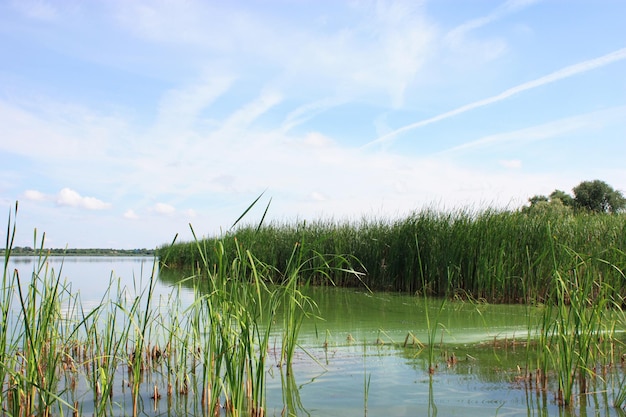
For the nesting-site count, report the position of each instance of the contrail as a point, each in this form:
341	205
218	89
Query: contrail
547	79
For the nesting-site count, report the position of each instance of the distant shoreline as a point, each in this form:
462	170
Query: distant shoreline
26	251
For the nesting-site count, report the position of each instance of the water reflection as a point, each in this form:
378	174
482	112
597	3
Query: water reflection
432	407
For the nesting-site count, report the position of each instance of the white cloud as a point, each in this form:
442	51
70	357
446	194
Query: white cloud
457	35
130	214
377	48
180	107
563	73
317	196
165	209
317	140
55	130
244	116
252	112
549	130
69	197
511	163
308	111
35	195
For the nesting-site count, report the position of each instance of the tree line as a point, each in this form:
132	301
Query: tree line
589	196
28	251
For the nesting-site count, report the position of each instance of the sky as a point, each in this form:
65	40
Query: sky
124	122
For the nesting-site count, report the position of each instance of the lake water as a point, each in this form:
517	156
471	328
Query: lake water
354	361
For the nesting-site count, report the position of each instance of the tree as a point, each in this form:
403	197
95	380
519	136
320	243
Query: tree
599	197
540	204
565	198
538	199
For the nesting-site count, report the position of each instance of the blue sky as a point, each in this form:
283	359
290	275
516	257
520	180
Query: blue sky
125	121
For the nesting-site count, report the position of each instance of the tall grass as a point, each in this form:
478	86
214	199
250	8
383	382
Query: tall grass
499	256
215	349
242	299
576	328
35	335
571	265
6	298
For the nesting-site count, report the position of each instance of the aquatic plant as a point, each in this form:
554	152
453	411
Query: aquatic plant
218	345
576	327
431	326
498	256
34	335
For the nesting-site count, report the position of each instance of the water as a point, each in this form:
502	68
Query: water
354	361
480	356
91	275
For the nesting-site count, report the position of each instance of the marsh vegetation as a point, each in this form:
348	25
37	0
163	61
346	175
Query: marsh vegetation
265	320
496	256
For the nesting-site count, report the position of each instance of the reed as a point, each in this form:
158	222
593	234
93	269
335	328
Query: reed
498	256
106	332
216	349
6	297
619	399
239	305
576	330
36	336
431	325
619	382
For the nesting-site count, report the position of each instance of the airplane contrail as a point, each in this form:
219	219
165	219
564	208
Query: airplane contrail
566	72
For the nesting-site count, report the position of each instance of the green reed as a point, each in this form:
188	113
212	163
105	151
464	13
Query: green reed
239	306
6	298
106	330
619	399
296	306
217	348
499	256
576	328
431	325
214	350
36	336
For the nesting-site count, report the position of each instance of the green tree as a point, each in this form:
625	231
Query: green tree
538	199
599	197
565	198
540	204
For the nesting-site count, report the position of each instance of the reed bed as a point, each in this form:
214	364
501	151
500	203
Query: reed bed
57	358
569	267
133	350
497	256
577	344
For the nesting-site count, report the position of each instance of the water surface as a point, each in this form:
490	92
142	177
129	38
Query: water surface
354	360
